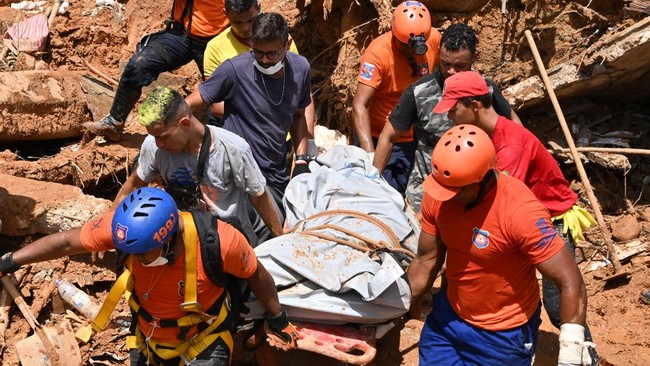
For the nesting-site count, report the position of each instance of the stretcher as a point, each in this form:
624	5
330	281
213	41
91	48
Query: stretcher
354	346
352	237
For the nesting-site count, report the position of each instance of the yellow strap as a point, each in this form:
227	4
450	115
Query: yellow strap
190	240
184	321
188	349
131	342
123	285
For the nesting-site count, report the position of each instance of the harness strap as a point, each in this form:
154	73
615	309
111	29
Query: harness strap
191	241
187	11
184	321
123	285
187	350
203	154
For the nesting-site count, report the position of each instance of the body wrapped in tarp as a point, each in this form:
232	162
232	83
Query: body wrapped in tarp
344	260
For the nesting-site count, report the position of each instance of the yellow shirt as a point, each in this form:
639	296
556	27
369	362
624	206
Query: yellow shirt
225	46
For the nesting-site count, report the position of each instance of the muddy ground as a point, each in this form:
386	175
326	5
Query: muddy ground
332	35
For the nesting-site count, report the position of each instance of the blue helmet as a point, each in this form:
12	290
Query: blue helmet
146	219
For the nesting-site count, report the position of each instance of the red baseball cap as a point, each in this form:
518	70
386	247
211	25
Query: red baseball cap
461	85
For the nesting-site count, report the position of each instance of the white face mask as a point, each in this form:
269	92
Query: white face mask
160	261
269	70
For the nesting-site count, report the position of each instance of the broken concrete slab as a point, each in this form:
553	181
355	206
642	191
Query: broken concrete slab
615	66
41	105
35	207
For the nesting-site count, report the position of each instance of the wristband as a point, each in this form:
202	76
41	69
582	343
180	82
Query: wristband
278	322
7	264
303	157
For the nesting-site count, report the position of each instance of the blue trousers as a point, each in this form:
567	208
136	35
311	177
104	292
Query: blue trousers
448	340
399	165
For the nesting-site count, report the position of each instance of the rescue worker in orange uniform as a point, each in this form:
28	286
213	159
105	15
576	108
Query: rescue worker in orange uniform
391	62
493	234
181	316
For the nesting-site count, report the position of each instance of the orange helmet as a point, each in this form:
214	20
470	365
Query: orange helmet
410	19
463	156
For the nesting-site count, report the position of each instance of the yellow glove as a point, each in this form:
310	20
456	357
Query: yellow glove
575	220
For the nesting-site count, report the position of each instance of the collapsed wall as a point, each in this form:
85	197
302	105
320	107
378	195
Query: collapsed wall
615	67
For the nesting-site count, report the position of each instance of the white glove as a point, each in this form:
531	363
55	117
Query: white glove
573	348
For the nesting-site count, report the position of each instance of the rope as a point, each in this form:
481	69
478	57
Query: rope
371	245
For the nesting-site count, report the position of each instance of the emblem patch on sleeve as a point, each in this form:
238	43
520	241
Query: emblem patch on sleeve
481	238
367	70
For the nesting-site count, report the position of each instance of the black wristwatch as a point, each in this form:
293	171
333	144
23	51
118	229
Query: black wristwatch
303	157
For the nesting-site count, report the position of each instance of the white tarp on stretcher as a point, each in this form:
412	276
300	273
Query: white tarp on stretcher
322	280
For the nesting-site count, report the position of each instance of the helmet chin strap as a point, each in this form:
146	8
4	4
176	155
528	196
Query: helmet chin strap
487	179
168	248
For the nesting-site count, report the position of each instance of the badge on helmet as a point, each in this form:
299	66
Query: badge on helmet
411	24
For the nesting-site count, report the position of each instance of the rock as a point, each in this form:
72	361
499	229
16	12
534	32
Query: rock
611	67
41	65
41	105
626	228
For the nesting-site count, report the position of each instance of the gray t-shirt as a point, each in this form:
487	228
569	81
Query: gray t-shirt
231	172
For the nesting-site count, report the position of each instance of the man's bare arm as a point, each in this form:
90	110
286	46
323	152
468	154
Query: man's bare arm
310	116
424	270
299	132
266	210
562	270
387	139
195	100
262	285
132	183
361	117
50	247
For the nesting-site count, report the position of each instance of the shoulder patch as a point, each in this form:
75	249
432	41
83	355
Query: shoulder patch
367	70
423	69
481	238
547	232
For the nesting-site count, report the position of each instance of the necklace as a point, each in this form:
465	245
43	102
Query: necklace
284	79
152	283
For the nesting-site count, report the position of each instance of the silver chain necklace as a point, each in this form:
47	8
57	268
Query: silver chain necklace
284	79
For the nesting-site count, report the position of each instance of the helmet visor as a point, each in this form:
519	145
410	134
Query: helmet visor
438	191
